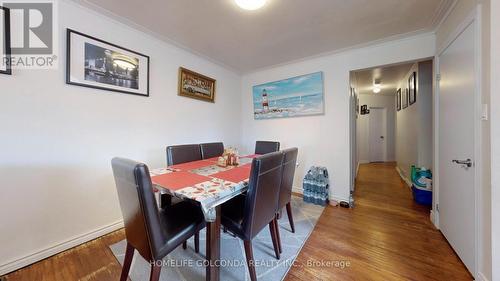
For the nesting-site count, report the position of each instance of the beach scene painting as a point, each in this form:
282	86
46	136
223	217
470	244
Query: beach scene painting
292	97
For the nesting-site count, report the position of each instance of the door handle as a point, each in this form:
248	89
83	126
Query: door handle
467	162
382	137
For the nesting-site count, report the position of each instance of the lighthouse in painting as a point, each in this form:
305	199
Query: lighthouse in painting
265	101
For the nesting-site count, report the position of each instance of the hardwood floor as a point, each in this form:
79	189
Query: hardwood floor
90	261
385	237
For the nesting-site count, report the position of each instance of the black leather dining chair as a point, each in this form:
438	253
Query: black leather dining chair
246	215
210	150
178	154
263	147
153	232
285	195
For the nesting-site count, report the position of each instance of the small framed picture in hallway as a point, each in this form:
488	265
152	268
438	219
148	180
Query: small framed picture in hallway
404	100
398	100
412	85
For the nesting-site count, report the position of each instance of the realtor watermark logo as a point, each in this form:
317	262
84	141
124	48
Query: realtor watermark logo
33	34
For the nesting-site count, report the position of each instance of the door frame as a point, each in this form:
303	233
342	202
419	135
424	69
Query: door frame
473	18
385	134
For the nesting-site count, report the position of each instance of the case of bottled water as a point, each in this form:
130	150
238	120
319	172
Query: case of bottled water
316	185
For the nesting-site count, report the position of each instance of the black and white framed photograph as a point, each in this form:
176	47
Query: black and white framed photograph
365	110
412	85
404	99
97	64
5	48
398	100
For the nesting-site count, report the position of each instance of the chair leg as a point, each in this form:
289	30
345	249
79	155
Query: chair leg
250	261
290	217
197	242
165	200
184	245
276	224
272	229
129	254
155	272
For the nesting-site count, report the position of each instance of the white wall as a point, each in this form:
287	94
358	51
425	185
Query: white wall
324	140
57	140
363	123
460	12
425	105
414	123
406	131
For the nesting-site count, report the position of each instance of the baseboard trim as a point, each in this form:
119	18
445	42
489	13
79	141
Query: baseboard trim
338	199
359	163
298	191
57	248
434	219
481	277
405	179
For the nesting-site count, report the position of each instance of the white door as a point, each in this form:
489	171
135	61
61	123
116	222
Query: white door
376	130
456	143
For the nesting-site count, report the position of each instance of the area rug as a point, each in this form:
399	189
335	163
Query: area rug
187	265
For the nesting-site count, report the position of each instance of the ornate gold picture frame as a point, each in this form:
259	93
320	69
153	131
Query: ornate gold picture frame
196	86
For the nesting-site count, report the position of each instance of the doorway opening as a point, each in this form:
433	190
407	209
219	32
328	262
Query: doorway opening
392	116
444	136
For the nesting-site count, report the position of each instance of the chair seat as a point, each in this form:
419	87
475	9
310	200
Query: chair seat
180	222
233	212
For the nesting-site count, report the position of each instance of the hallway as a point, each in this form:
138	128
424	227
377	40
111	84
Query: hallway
385	237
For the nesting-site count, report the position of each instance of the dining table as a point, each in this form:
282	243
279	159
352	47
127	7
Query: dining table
209	185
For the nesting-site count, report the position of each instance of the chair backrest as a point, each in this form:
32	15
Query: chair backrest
139	209
288	172
263	192
264	147
178	154
210	150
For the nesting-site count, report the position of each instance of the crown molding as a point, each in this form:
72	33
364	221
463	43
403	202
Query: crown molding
374	43
443	11
95	9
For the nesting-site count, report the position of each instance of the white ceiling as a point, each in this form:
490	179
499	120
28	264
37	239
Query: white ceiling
390	77
282	31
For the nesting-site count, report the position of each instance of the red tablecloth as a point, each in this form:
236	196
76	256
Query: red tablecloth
235	175
178	180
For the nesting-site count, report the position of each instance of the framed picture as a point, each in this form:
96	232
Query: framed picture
365	110
412	85
195	85
97	64
291	97
405	99
398	100
5	48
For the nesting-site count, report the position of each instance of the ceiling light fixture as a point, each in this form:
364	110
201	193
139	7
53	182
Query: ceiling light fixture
250	4
376	90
